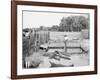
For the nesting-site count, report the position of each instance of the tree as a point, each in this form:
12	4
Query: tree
41	27
73	23
54	28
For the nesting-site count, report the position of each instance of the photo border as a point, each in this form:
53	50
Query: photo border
14	38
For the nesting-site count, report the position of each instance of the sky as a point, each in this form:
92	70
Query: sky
35	19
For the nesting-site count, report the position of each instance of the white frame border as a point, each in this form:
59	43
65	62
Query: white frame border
21	71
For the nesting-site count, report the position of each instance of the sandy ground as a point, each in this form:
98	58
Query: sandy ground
80	59
76	60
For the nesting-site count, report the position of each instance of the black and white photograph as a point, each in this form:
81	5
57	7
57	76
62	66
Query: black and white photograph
55	39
